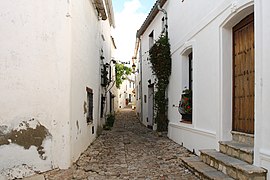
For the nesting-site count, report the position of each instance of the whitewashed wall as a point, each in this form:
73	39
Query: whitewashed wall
49	54
35	81
124	92
112	86
156	27
206	34
262	96
206	28
138	82
86	44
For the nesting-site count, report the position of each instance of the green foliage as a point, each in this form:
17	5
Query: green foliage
109	122
160	58
121	72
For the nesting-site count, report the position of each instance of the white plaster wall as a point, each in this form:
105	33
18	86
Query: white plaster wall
86	43
155	26
207	32
114	91
89	36
35	77
202	34
112	85
125	90
262	88
138	97
205	90
137	84
183	17
122	95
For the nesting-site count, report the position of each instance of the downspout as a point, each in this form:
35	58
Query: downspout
141	93
166	17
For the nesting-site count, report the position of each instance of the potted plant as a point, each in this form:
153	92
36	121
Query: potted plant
185	104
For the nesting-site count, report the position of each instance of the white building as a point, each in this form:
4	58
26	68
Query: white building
51	54
126	93
227	95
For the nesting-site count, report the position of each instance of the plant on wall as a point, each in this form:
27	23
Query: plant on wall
121	72
160	58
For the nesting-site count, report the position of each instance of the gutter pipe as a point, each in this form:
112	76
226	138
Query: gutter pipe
166	17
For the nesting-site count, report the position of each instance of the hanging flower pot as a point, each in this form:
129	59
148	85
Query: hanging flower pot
185	104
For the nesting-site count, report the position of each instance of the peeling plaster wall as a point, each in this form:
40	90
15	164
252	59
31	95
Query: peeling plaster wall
89	36
34	84
49	54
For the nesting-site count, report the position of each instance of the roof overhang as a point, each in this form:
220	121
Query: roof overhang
110	12
100	8
154	11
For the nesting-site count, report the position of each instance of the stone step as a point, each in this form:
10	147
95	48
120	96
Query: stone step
238	150
231	166
202	170
243	137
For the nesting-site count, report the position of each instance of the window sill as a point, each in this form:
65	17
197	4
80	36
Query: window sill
186	121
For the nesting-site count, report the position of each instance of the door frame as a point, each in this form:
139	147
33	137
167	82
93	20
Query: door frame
226	59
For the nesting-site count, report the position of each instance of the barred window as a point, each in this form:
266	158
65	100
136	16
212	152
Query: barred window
89	117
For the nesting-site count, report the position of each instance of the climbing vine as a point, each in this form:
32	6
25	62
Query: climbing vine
160	59
121	72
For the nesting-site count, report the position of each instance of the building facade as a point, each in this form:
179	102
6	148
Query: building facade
126	93
219	52
52	54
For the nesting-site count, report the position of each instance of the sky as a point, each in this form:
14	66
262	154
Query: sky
129	16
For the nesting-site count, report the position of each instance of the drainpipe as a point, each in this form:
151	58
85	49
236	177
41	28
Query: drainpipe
166	17
141	77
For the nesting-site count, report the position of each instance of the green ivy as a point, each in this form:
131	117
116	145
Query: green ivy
160	58
121	72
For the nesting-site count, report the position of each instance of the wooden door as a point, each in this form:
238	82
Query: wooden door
151	105
243	75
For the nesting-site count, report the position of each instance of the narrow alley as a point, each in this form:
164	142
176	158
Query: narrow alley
128	151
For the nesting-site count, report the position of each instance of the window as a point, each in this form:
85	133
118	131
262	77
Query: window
89	117
187	69
103	98
129	98
190	71
130	84
104	75
151	39
139	90
145	99
187	80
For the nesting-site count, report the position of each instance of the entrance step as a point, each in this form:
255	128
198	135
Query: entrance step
238	150
243	137
231	166
202	170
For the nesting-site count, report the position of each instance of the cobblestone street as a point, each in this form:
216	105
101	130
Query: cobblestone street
128	151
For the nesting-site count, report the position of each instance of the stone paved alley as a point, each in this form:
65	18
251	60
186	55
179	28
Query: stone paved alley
128	151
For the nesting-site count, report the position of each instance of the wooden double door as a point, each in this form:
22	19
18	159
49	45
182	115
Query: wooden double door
243	76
